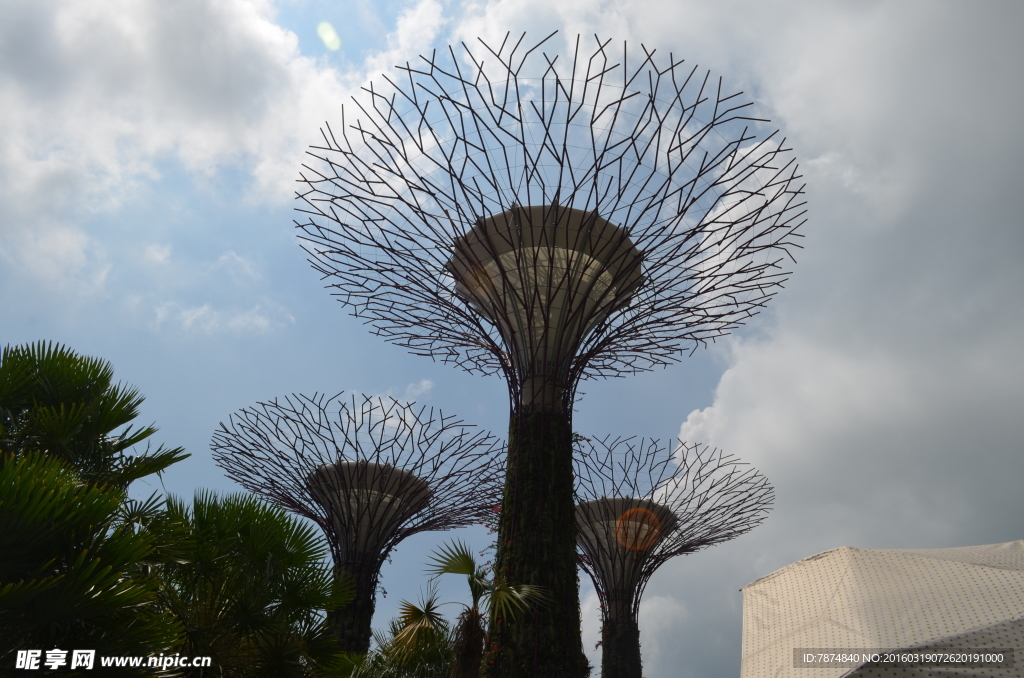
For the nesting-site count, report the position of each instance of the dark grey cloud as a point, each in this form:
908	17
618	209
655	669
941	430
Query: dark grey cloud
881	395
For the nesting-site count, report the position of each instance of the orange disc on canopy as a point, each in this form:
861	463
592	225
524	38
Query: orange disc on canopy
638	529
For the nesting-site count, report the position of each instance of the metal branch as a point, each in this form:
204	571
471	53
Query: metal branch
369	471
640	504
275	447
708	196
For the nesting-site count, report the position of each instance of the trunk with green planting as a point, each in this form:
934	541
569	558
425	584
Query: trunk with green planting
537	546
352	622
620	648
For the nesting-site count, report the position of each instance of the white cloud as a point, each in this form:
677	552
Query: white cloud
135	80
241	269
414	34
206	319
825	391
157	253
95	96
61	258
490	21
906	435
659	615
420	388
590	613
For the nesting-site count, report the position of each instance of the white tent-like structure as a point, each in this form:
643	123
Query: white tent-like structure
855	600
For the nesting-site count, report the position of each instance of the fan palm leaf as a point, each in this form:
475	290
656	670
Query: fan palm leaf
251	587
64	566
55	401
490	596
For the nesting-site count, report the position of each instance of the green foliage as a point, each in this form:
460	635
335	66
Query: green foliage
65	561
504	599
456	558
341	665
76	556
419	644
251	588
55	401
422	631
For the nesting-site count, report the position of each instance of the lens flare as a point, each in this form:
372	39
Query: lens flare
638	529
329	36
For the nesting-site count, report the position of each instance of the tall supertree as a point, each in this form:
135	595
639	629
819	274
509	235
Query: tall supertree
551	220
369	471
639	504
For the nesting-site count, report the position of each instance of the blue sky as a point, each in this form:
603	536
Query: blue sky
148	153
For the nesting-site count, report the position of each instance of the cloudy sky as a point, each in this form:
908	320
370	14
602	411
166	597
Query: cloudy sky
148	153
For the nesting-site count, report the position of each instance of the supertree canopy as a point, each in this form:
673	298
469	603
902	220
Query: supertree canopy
507	210
639	504
369	471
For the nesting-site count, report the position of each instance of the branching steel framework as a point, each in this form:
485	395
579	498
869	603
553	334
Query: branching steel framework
640	504
656	148
369	471
552	220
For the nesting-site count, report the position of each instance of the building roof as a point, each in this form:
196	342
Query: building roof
851	599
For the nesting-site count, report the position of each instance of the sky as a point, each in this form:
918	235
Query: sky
148	158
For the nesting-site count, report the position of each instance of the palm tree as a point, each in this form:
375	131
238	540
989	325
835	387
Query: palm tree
55	401
418	644
76	555
67	565
251	590
500	601
421	643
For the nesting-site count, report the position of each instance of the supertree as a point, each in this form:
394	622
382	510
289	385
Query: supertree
549	220
369	471
639	504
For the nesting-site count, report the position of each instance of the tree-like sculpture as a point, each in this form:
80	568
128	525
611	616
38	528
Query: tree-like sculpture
506	211
639	504
370	472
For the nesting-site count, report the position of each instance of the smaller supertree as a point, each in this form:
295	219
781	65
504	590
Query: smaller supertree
370	472
639	504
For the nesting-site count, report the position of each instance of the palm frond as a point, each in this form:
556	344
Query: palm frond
452	558
506	600
456	558
419	625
